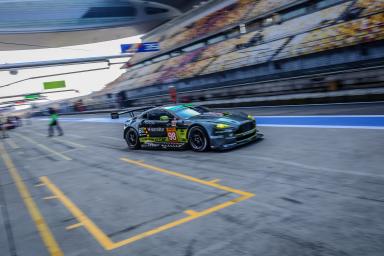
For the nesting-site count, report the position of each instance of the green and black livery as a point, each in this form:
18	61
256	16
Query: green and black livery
178	126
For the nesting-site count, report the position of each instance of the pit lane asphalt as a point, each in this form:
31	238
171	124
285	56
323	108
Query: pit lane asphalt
316	192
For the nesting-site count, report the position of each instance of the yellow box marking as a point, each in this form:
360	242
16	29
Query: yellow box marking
12	144
50	197
80	216
191	212
108	244
42	227
187	177
77	225
44	147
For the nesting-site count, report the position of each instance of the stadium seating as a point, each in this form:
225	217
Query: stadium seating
314	32
264	6
177	65
344	34
146	70
193	69
233	14
244	57
304	23
370	6
211	23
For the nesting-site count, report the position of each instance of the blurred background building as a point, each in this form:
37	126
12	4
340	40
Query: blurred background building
247	52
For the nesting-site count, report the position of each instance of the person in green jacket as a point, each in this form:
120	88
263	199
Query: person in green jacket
54	122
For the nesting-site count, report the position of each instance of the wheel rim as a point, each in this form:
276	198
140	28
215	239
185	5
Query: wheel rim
197	140
131	138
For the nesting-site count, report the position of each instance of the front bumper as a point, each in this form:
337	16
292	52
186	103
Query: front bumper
222	143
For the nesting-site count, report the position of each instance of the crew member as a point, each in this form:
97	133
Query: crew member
54	122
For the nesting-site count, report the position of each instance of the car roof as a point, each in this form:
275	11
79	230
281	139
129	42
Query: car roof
177	107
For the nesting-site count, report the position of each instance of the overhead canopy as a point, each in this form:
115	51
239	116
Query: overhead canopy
33	24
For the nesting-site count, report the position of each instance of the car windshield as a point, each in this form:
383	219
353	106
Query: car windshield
186	112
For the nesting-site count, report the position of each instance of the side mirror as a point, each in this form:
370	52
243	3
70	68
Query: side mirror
114	115
164	118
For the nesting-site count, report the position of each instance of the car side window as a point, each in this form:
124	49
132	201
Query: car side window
144	115
156	114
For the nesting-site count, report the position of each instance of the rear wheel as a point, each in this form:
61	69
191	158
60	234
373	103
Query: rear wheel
197	139
132	139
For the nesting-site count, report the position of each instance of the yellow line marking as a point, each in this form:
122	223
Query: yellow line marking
12	144
44	147
37	217
108	244
70	227
215	180
50	197
80	216
191	212
187	177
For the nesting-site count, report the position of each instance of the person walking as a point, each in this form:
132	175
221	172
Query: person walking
3	125
54	122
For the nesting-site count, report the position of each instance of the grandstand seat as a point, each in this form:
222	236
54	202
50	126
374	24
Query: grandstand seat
264	6
244	57
303	23
315	32
344	34
370	6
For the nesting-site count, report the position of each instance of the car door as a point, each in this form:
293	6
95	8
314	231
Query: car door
156	127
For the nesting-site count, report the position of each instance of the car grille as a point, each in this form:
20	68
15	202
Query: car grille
246	127
249	126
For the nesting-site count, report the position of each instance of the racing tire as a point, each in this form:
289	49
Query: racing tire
132	139
197	139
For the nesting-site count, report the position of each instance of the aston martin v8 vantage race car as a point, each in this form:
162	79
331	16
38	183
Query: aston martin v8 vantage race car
179	126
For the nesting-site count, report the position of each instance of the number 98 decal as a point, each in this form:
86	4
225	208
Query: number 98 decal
171	132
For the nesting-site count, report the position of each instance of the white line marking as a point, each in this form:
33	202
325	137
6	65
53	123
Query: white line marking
111	138
320	116
74	136
323	126
305	105
314	168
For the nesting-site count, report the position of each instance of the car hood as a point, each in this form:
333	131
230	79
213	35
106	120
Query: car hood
233	120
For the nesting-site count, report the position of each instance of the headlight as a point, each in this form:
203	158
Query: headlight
251	117
222	126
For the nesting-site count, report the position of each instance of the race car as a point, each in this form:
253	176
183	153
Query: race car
179	126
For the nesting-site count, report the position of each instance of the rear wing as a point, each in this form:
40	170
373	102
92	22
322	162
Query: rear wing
130	111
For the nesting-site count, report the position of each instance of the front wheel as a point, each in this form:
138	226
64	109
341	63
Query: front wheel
132	139
197	139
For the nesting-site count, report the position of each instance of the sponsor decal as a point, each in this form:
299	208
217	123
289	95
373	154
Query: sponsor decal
171	133
154	139
140	47
142	131
182	135
155	129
